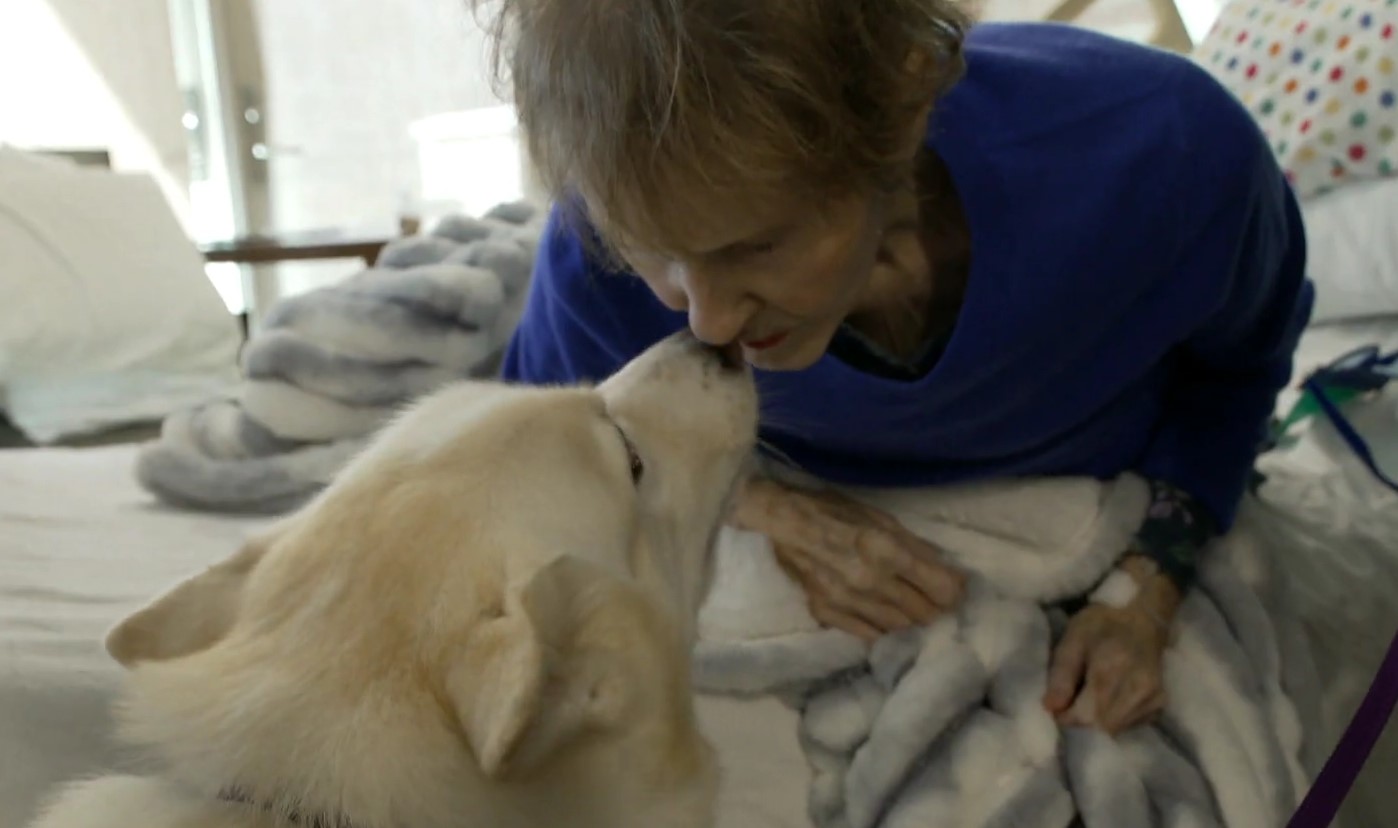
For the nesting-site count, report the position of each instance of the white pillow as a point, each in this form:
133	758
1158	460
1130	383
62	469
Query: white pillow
1319	79
1352	241
106	316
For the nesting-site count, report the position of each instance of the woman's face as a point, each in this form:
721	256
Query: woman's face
779	283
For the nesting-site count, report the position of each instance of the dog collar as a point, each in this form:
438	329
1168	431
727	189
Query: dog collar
293	816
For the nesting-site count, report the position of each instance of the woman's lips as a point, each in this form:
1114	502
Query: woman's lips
765	343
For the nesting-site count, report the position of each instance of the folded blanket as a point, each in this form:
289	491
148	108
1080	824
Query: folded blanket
944	725
328	367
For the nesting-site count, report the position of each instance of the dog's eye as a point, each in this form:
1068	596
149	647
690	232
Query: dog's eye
638	466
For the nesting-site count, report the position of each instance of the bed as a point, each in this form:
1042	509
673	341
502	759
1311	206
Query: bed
81	544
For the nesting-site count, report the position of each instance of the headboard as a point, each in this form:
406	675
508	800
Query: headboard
1170	31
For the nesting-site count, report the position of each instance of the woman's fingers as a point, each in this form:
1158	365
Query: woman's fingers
830	616
828	540
1066	672
867	602
1139	696
898	557
942	585
858	562
1106	675
912	601
828	591
885	617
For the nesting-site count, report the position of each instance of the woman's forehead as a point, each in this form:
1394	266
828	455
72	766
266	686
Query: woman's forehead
697	225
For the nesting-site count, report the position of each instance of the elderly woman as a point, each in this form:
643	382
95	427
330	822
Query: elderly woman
953	253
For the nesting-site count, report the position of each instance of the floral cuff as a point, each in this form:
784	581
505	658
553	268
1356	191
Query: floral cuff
1176	528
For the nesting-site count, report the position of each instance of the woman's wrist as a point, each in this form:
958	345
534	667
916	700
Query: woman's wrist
1157	596
1136	589
1151	583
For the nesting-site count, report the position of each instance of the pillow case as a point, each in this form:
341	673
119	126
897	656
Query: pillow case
1352	250
106	315
1319	76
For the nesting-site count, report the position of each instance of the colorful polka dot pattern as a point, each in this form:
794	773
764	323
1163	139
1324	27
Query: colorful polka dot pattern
1320	77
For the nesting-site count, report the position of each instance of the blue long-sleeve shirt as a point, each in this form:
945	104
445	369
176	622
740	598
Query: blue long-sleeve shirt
1135	294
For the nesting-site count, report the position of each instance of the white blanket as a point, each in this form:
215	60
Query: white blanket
945	726
328	367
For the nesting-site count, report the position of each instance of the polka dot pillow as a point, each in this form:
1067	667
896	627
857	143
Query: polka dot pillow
1319	75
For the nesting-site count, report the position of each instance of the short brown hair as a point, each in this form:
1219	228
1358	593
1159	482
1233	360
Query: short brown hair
653	111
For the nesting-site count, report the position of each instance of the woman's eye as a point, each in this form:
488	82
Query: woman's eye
745	251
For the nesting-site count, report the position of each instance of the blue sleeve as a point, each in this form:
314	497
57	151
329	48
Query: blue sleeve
580	322
1241	269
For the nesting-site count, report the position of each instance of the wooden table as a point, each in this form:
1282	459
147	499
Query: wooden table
291	247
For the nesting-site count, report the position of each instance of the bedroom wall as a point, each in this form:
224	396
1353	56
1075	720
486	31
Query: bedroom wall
1130	19
95	73
341	84
340	90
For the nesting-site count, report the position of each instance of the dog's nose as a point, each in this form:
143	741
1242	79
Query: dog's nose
730	356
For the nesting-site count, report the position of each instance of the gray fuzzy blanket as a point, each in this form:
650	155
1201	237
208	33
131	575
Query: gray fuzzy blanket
328	367
944	725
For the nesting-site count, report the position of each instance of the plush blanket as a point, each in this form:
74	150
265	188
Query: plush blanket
328	367
944	725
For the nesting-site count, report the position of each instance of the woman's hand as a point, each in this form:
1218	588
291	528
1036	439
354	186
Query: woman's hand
862	571
1108	669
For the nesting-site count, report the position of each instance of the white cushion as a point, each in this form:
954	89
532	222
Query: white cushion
1352	239
107	316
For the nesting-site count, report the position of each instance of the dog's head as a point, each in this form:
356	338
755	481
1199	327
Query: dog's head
488	613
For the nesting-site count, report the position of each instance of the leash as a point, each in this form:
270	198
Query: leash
1361	371
1355	374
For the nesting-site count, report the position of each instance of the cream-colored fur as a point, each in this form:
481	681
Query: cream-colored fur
482	622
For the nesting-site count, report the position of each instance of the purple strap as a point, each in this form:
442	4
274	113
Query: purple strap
1342	768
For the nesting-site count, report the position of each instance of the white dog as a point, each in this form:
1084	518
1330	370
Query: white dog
484	622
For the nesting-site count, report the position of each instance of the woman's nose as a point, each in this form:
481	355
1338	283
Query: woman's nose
717	312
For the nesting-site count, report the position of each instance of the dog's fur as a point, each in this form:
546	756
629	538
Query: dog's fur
481	622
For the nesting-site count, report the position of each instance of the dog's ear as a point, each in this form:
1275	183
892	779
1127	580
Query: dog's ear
192	616
525	690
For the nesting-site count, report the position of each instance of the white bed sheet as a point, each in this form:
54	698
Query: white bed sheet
81	544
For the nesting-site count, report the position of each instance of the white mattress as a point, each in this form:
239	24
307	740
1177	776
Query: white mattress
80	545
